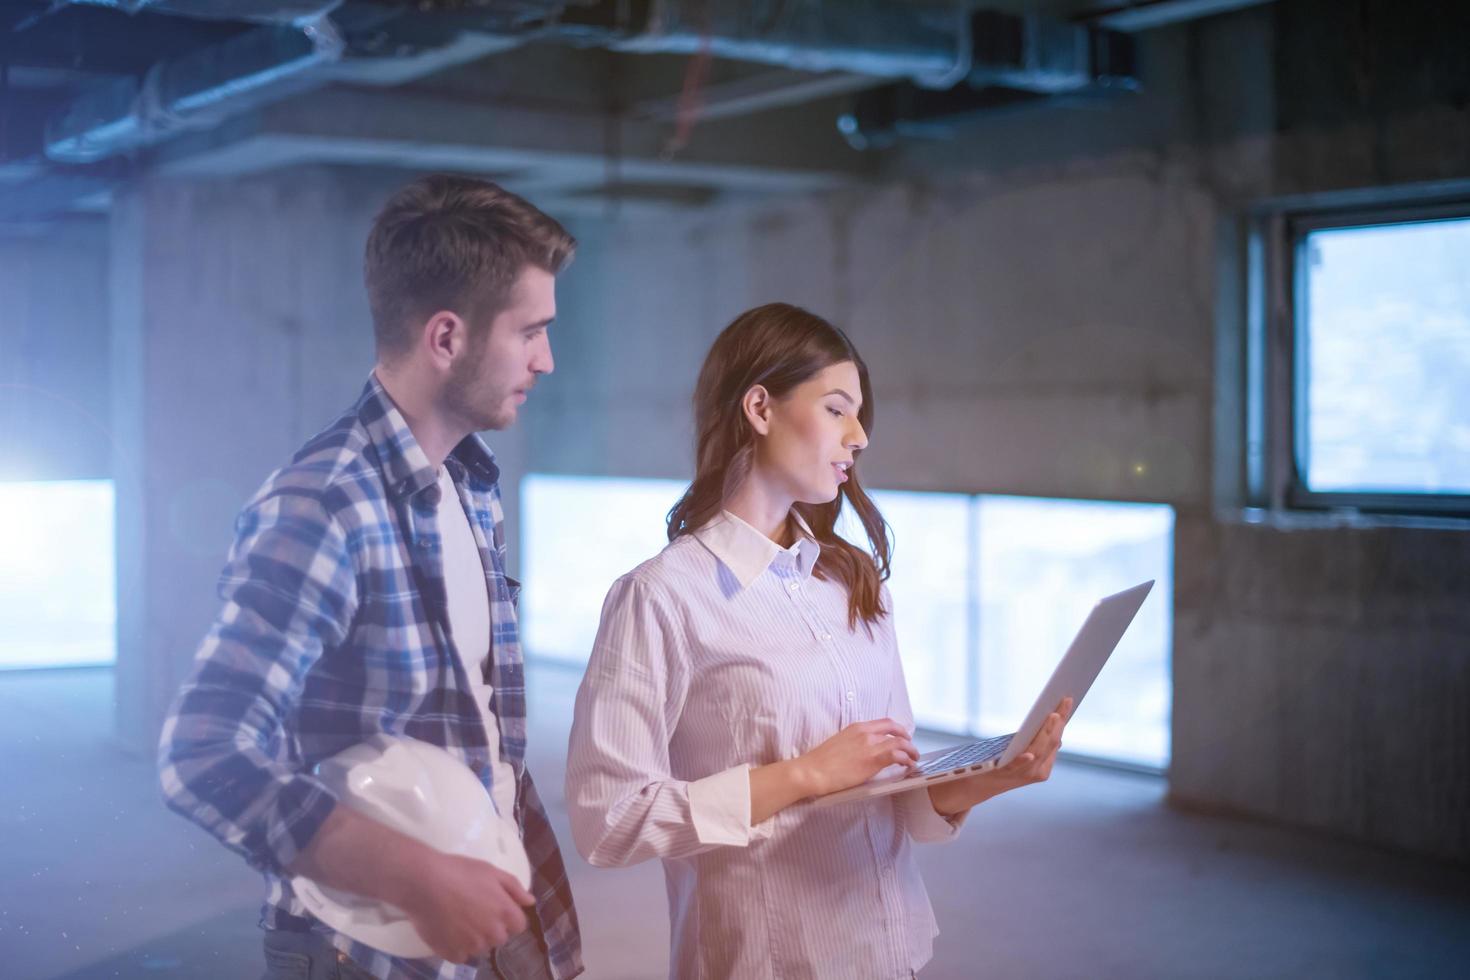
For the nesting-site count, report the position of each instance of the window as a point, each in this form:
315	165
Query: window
988	590
578	534
932	584
58	601
1361	365
1043	564
987	593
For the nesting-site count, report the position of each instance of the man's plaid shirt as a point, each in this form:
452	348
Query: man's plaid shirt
334	628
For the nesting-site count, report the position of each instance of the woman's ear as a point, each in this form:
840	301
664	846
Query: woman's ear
757	408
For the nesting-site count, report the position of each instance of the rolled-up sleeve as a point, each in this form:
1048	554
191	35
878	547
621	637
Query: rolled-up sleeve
289	591
624	803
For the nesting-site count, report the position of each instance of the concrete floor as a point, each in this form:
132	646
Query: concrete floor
1087	876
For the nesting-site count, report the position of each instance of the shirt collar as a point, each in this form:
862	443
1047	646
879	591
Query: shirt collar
405	466
747	552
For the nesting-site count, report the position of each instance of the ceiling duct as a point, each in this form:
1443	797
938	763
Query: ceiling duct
1016	60
364	43
943	51
258	11
929	44
1145	15
196	90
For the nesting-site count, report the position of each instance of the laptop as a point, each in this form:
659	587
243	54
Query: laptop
1090	649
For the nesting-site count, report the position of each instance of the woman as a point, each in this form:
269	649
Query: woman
752	665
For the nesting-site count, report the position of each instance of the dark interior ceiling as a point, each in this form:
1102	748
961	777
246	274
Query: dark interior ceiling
785	93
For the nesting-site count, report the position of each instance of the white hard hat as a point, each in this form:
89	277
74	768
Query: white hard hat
420	790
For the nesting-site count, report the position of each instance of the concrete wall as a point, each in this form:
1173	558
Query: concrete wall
991	371
235	337
1322	678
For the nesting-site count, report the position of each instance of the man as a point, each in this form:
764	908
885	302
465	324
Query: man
366	592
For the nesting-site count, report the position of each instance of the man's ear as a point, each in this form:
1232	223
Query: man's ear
444	336
757	408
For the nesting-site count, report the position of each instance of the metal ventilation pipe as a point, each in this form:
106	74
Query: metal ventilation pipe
1017	61
194	91
259	11
928	44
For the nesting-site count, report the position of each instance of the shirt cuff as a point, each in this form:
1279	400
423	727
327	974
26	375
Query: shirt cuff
719	805
924	823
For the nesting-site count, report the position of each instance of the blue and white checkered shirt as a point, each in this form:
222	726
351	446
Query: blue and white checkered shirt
334	628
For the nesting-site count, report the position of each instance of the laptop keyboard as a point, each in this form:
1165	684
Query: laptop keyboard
966	755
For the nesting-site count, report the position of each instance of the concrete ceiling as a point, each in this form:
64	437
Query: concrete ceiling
566	119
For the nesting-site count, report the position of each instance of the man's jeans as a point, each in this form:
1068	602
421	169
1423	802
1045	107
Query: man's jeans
311	956
306	956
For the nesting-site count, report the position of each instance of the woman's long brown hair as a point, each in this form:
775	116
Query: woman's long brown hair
779	346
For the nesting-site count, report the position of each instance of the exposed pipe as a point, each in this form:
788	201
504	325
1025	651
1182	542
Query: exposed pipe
1017	61
194	91
935	46
302	47
259	11
928	44
880	38
1143	15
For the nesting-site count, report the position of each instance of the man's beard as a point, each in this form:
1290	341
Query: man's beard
476	402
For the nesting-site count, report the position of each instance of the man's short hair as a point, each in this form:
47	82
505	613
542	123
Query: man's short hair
453	243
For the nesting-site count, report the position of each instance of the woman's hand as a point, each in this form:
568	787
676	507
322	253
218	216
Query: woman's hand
849	758
856	754
1032	766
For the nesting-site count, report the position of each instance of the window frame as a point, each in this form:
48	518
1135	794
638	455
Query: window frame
1276	360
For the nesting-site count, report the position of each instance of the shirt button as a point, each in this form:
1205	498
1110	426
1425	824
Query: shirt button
826	636
793	586
851	695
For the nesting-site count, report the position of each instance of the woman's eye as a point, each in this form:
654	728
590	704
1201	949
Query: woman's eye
835	412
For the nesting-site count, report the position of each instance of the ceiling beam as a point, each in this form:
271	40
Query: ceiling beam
402	129
1143	15
755	93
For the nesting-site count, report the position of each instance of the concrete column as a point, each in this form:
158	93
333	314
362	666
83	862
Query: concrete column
239	329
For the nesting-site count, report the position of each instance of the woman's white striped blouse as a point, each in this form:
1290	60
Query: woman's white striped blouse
721	653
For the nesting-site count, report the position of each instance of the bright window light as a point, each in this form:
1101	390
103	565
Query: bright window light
1384	341
1043	564
578	535
930	586
58	596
